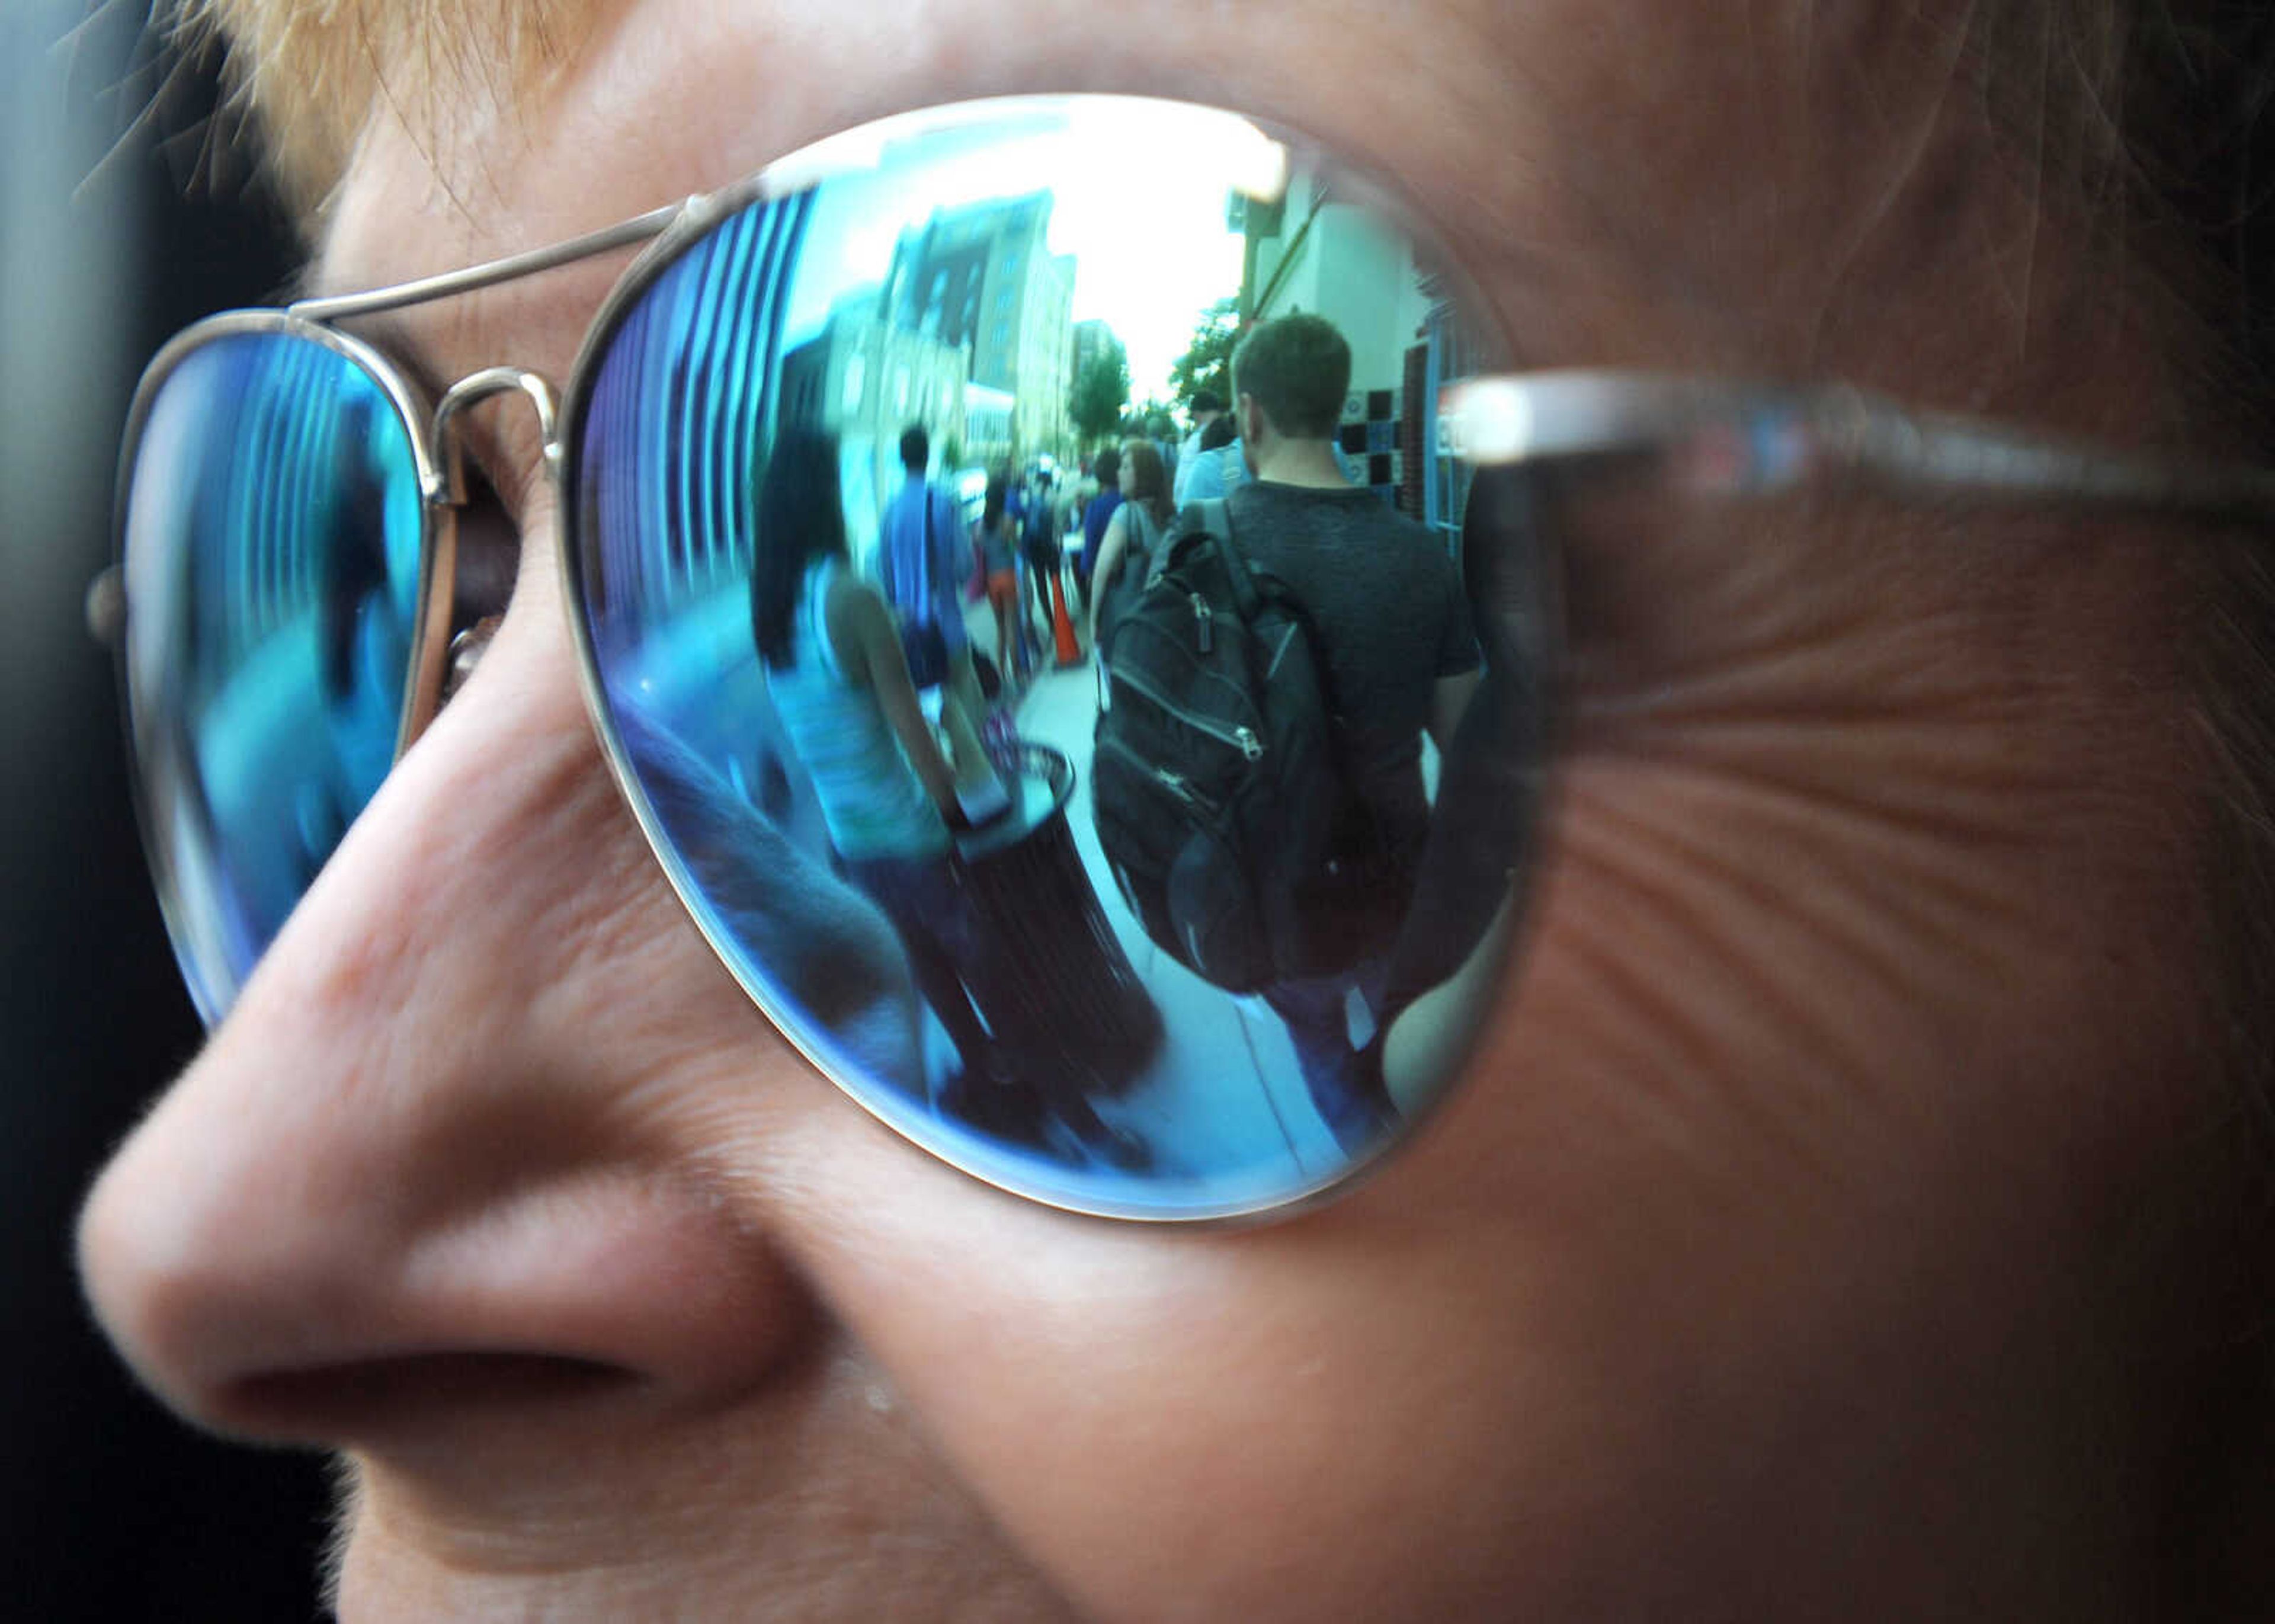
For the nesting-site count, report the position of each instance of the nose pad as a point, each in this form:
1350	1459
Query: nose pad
466	1109
466	651
470	574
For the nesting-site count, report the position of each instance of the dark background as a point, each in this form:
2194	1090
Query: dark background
123	216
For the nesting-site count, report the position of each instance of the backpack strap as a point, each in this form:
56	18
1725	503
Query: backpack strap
1213	516
1144	542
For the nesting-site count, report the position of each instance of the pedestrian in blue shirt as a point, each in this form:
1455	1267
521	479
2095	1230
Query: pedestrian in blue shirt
1096	513
924	559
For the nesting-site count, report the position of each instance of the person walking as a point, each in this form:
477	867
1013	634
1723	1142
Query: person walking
997	540
924	562
1140	526
1208	407
1096	513
840	681
1392	627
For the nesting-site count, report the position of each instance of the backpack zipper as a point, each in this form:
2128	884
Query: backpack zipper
1205	618
1176	784
1241	738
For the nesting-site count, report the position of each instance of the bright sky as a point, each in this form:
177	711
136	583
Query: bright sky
1139	189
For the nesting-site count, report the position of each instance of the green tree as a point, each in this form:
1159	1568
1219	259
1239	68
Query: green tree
1149	419
1206	363
1101	394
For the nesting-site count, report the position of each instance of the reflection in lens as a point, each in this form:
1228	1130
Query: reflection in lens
273	531
859	471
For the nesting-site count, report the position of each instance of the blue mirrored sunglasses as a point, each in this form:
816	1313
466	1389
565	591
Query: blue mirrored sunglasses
1137	819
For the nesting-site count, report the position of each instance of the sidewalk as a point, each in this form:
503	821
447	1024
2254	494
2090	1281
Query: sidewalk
1222	1096
1225	1075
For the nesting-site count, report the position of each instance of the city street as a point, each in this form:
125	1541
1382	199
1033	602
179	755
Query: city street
1222	1093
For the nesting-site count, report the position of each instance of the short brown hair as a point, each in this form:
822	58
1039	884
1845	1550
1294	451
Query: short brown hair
1297	368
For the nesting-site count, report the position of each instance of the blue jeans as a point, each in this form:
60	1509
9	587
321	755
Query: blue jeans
1355	1105
934	922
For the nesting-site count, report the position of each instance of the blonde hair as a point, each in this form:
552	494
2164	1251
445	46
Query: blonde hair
312	72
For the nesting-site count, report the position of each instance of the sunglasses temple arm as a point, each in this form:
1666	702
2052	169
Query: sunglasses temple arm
639	229
1717	437
1934	454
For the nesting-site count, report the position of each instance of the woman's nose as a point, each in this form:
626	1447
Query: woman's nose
457	1133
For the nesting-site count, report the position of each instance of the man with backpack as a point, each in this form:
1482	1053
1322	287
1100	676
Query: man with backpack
1392	625
1258	775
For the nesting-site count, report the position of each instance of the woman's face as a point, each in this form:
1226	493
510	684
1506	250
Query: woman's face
1764	1252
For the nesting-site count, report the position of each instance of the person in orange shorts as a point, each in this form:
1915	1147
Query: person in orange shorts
996	538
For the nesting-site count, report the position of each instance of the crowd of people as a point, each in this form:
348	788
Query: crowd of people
1381	602
1385	607
899	753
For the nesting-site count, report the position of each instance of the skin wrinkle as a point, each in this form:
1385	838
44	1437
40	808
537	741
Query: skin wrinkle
1660	1060
1737	957
1759	648
1916	882
1922	882
490	1550
1979	802
1809	669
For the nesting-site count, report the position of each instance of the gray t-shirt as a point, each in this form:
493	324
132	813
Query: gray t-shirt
1387	600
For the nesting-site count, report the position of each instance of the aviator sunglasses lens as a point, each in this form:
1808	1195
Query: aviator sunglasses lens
273	525
1189	923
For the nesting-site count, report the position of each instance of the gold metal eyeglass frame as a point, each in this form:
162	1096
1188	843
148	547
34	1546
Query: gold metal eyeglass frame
1761	437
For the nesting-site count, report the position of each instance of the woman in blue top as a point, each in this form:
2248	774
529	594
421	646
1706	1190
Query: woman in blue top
840	682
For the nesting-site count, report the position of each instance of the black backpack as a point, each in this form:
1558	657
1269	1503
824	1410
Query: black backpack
1036	539
1219	800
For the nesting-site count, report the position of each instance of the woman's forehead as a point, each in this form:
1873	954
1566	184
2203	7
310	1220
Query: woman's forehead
1521	175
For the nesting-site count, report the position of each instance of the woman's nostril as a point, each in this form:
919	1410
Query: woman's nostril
368	1401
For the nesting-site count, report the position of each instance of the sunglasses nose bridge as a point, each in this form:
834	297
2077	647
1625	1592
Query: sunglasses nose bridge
435	657
472	390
